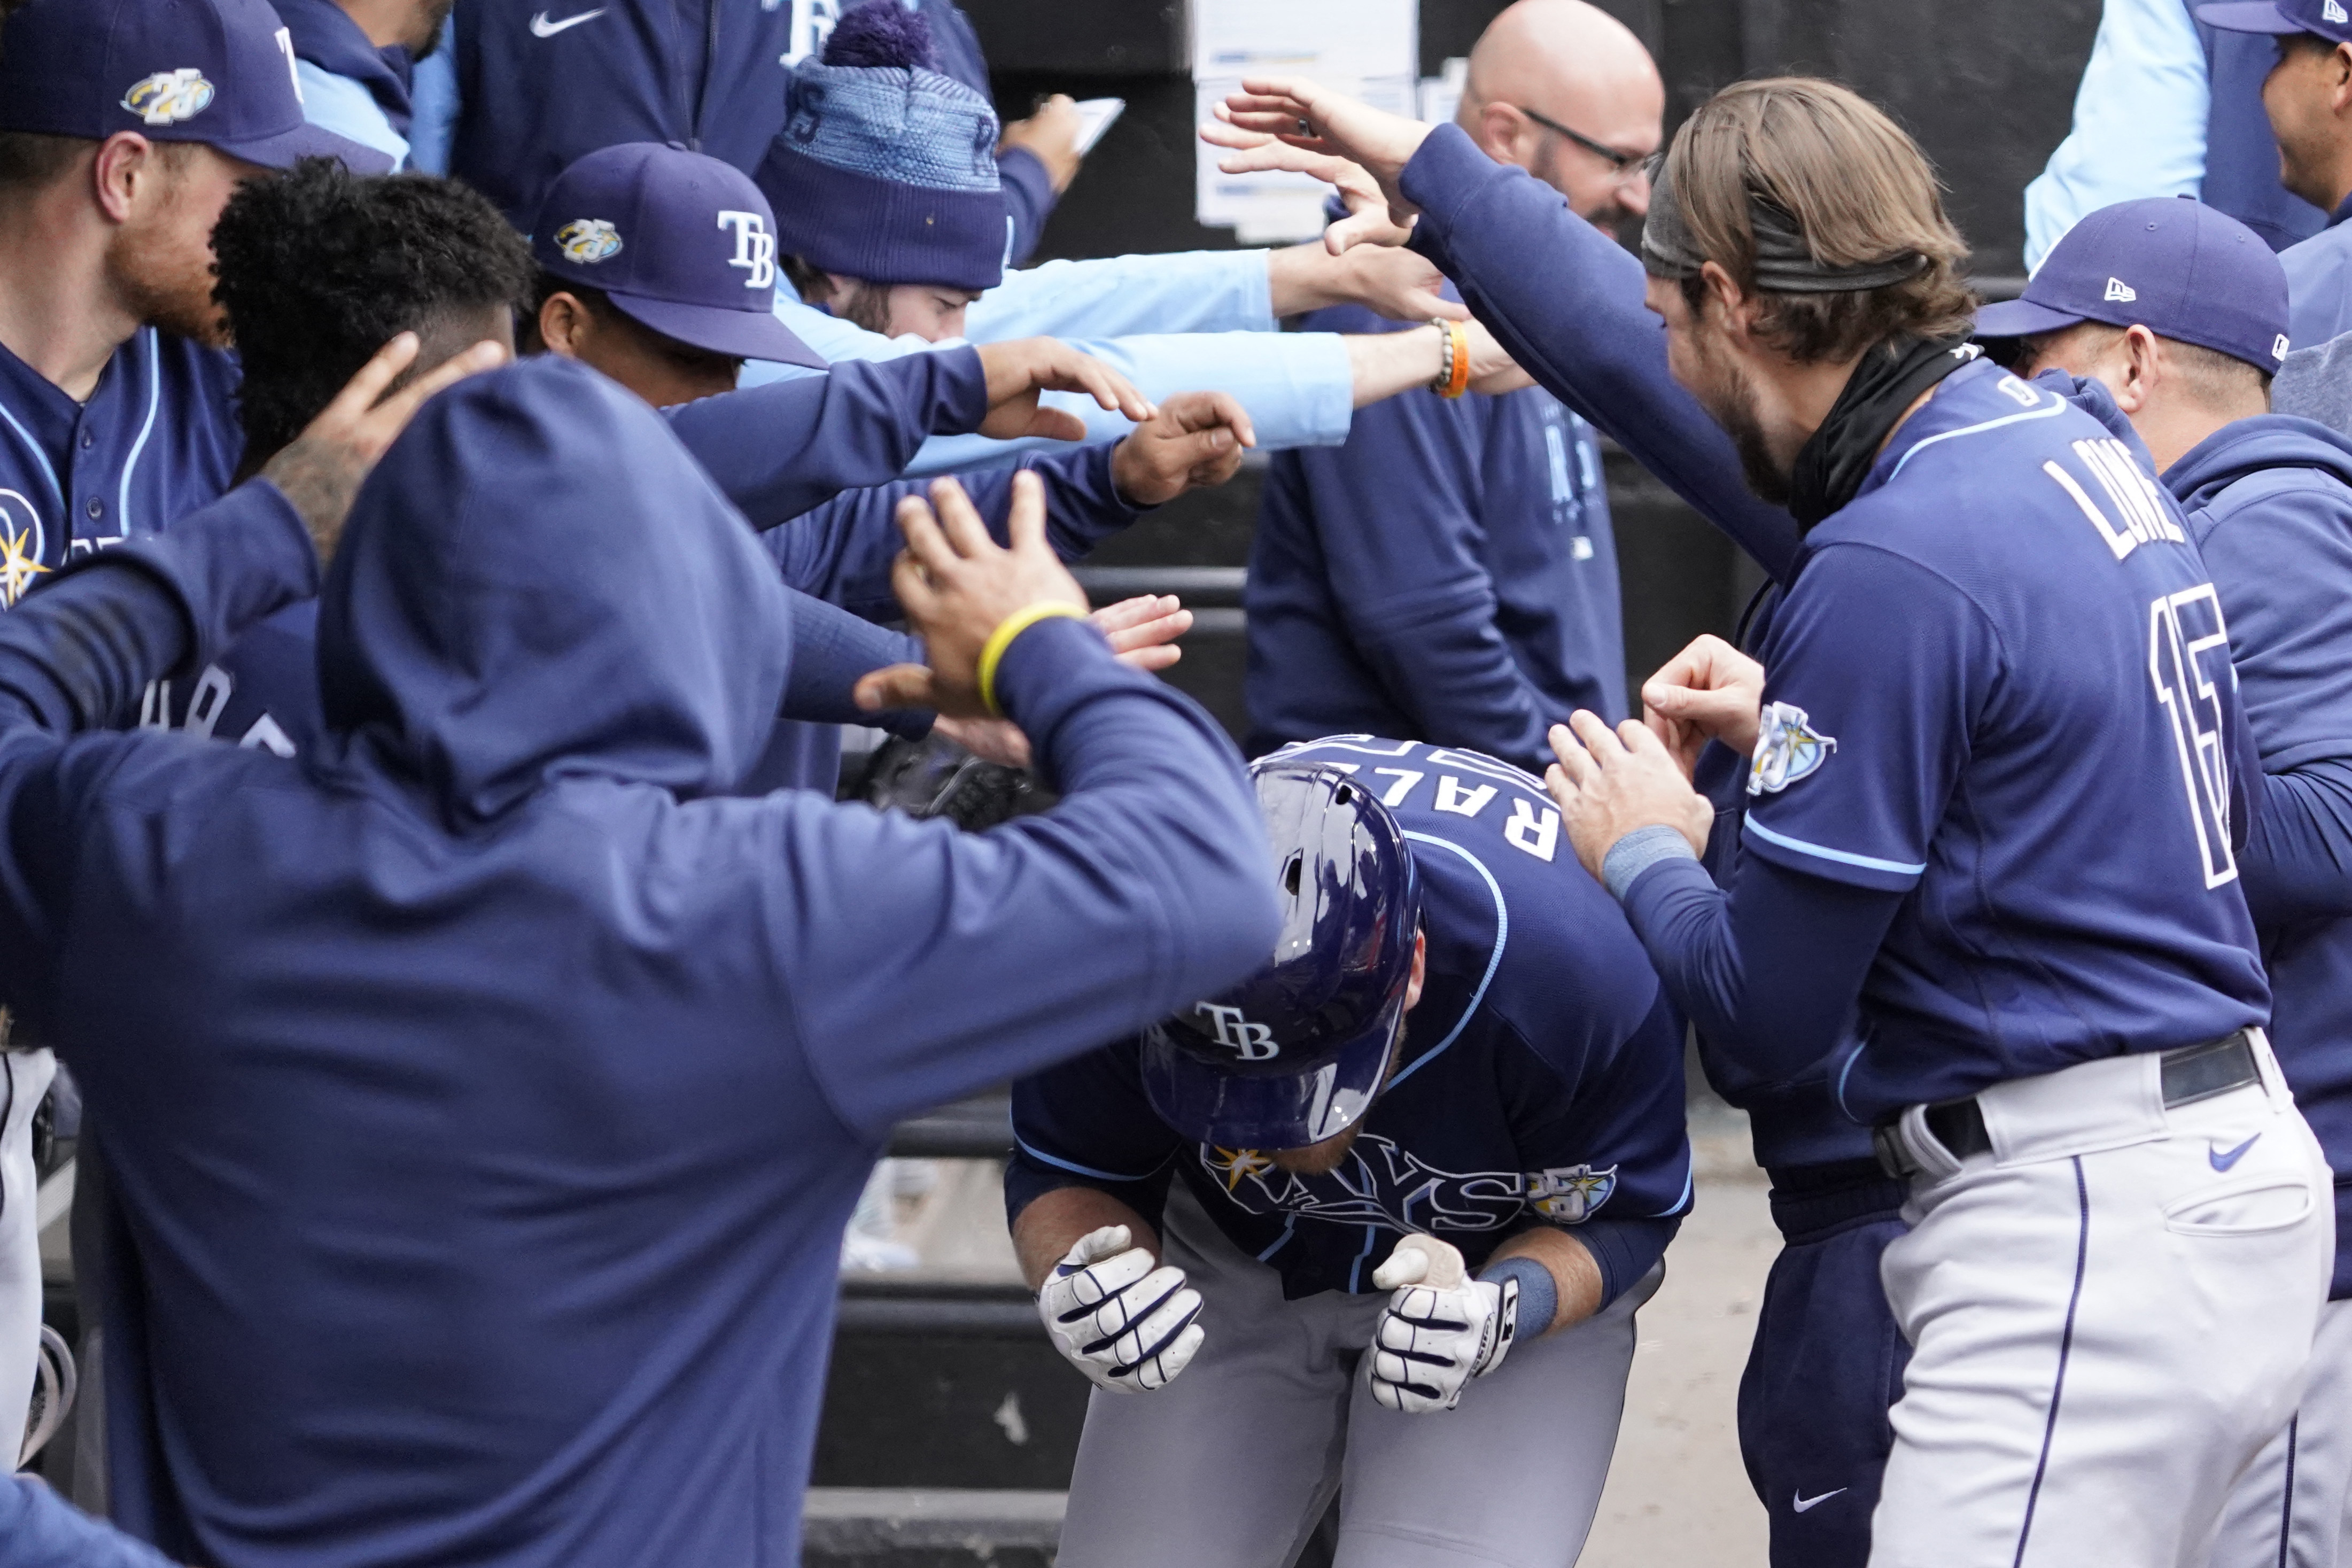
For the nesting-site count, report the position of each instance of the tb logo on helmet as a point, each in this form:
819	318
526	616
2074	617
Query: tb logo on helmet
167	97
1251	1042
588	240
755	247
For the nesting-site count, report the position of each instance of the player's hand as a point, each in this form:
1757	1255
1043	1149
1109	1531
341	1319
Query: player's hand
1709	691
1193	439
320	470
1311	118
1439	1330
1121	1317
956	586
1142	632
1399	284
1051	135
1493	371
1609	782
1018	371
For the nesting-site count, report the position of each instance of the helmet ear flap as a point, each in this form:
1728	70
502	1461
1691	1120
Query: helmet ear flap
1291	870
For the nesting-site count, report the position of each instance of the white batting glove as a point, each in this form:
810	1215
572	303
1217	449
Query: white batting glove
1440	1329
1120	1318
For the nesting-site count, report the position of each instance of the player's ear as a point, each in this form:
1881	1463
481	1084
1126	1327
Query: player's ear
563	322
1420	968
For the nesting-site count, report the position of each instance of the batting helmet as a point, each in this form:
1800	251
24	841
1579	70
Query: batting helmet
1298	1054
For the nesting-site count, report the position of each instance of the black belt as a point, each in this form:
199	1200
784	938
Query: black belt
2191	1073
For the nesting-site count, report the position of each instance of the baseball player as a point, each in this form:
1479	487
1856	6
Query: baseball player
1989	824
550	1106
123	129
2183	313
1249	1225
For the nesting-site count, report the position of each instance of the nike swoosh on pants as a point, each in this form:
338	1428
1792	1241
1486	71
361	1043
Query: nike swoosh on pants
2222	1162
1802	1503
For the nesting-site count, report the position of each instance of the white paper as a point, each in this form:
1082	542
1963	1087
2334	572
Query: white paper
1094	117
1441	95
1365	49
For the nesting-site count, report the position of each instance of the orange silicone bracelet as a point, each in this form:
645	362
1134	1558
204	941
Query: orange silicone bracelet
1459	383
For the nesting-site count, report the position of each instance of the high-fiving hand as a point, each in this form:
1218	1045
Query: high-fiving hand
956	586
1330	129
1021	369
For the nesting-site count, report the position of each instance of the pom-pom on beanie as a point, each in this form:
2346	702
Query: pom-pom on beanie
886	170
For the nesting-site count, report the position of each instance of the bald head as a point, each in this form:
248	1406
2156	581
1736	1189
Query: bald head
1577	66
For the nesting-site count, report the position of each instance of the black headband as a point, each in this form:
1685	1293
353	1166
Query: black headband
1784	262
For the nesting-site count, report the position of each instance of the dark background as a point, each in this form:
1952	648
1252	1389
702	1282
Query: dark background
1986	86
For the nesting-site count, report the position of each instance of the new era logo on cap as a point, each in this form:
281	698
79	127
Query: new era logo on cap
2332	12
2278	347
2121	291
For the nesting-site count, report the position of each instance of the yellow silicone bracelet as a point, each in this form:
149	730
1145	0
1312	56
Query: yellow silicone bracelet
993	653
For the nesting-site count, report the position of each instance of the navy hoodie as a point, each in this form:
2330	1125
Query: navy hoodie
486	1091
2269	502
325	34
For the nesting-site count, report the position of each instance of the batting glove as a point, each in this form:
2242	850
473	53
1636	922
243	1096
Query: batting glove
1434	1338
1118	1317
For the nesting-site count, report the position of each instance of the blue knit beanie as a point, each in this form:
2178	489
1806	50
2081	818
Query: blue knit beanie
886	170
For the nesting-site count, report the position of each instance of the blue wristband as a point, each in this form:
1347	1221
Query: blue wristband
1539	1292
1637	852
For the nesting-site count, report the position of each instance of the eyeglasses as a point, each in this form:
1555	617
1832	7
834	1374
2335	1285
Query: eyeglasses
1624	165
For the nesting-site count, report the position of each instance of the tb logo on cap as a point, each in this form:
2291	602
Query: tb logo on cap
167	97
755	247
1251	1042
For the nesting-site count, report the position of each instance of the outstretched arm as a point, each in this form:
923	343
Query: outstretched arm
1565	301
1154	864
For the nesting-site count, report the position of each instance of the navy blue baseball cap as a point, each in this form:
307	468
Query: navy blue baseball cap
2172	265
681	243
2328	19
219	72
1298	1053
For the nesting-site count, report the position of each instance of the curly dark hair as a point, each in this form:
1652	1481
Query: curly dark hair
318	267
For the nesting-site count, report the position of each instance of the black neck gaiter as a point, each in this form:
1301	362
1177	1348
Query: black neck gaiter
1831	466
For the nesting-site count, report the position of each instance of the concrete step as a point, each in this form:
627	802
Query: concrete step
911	1527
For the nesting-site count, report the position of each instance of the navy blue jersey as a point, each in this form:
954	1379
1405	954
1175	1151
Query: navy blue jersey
2001	686
1449	573
157	439
540	85
1540	1079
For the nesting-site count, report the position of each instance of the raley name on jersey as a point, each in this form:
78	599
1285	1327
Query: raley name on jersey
1381	1184
1531	825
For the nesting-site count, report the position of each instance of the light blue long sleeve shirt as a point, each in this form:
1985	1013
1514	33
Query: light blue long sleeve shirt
339	104
433	106
2140	118
1298	387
